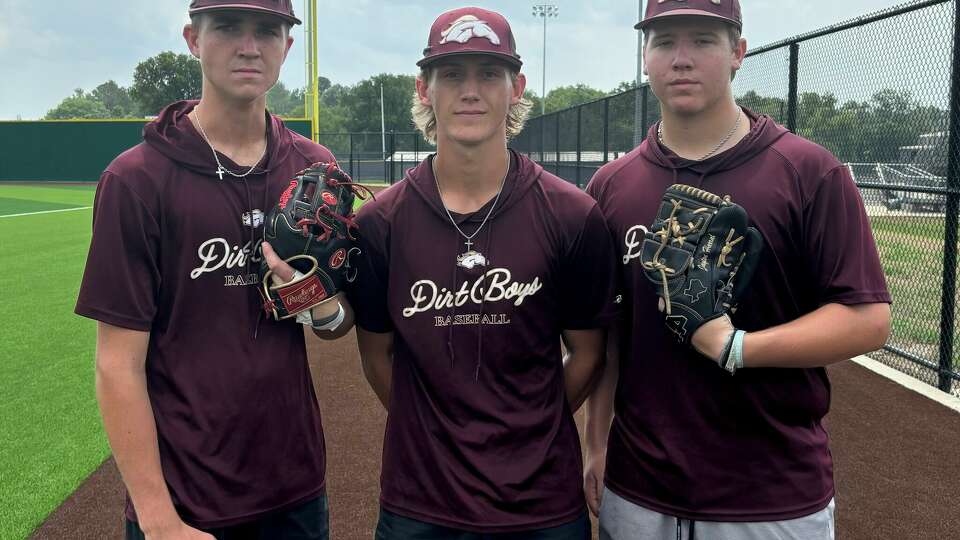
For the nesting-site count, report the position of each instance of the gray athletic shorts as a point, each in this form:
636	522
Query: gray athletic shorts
620	519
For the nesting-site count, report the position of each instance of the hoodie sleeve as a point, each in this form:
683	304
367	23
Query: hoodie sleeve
589	277
368	292
839	243
121	281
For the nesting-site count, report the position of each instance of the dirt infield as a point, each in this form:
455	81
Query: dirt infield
897	470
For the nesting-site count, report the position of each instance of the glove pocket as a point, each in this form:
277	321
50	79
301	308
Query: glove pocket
664	265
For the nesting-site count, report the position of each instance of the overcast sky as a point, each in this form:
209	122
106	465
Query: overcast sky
48	48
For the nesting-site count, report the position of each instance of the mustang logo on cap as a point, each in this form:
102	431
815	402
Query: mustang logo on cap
466	28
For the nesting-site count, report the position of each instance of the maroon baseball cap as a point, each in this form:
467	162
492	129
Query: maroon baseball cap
280	8
727	10
471	30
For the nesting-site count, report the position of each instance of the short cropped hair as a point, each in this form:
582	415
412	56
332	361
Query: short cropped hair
198	19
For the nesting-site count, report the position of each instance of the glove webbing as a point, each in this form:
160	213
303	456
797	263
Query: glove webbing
359	190
672	229
727	248
348	221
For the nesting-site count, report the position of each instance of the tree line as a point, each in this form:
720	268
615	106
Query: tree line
169	77
856	131
868	131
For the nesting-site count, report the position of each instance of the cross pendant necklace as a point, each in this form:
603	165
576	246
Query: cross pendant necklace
469	258
220	168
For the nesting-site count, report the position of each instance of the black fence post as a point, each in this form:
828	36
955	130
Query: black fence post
948	297
393	153
543	140
792	97
557	164
416	150
579	142
352	175
402	158
606	130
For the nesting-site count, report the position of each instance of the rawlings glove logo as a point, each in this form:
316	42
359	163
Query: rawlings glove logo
338	258
285	196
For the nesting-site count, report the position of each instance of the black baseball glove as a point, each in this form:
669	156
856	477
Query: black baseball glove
700	255
311	228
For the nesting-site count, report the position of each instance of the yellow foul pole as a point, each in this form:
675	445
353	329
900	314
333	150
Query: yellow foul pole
314	72
311	99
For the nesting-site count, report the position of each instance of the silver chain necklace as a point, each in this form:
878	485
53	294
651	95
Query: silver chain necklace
471	257
220	168
714	151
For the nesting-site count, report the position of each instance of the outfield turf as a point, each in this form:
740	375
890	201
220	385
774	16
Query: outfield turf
52	438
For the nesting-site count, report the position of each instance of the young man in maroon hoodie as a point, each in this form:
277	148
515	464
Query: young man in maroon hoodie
208	406
474	268
694	452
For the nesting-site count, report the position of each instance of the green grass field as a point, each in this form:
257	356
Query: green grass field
911	251
52	434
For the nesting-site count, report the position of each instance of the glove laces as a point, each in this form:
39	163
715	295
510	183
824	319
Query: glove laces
671	231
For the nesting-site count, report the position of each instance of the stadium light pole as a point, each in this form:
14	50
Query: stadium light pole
545	11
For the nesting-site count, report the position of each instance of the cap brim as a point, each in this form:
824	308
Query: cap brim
685	13
247	7
512	60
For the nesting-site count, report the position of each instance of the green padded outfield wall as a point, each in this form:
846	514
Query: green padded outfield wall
73	150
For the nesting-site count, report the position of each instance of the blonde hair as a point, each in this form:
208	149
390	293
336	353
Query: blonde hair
426	121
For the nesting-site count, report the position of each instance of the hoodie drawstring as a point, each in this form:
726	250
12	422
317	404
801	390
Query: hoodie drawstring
451	314
249	257
483	302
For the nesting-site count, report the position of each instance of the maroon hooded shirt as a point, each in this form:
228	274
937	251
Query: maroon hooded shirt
175	252
688	439
479	435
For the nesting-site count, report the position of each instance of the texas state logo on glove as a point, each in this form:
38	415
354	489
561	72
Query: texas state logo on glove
311	228
700	255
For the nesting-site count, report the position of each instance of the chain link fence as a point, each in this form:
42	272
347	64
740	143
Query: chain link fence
377	157
881	92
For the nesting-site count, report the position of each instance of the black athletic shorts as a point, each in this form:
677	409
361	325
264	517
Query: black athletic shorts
307	521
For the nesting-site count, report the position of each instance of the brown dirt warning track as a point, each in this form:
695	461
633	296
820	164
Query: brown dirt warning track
896	456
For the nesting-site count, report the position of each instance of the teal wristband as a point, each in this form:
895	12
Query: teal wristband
736	352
